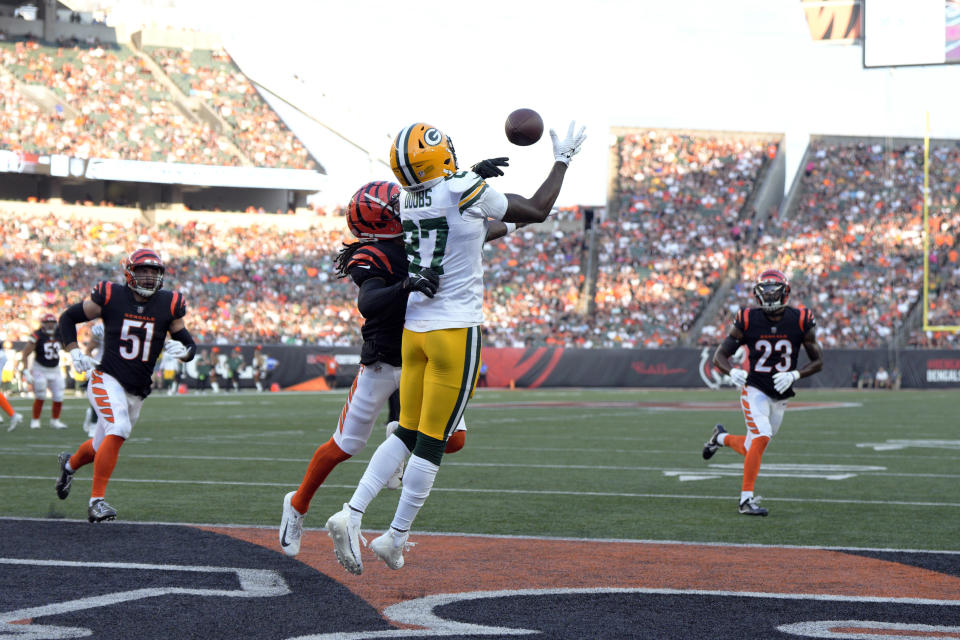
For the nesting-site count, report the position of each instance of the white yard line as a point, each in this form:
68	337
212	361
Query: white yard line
600	494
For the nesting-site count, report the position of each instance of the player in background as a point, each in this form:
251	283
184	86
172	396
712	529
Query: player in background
377	263
773	334
136	317
235	365
446	214
260	368
15	418
94	348
45	373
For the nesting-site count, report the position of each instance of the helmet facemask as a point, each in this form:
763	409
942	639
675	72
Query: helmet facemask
771	295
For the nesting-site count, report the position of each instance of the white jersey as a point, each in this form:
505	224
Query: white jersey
444	227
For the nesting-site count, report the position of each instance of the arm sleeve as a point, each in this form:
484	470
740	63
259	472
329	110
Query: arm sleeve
68	323
376	295
184	336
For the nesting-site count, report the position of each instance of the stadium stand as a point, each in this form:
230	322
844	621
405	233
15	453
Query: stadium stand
213	77
680	213
852	242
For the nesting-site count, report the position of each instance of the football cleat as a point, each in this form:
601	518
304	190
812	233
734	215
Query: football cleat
15	419
64	477
291	527
750	507
390	547
100	511
712	444
346	540
56	423
35	423
395	481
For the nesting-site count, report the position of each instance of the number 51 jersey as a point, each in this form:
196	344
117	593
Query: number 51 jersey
444	227
774	346
134	332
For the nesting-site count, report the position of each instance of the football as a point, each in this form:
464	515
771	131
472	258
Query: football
524	127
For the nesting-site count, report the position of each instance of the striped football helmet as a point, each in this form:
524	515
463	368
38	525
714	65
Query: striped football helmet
772	290
148	281
420	155
374	211
48	322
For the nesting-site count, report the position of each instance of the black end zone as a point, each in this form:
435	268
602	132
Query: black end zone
60	576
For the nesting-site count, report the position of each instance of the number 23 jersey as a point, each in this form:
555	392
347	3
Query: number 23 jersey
444	228
134	332
774	346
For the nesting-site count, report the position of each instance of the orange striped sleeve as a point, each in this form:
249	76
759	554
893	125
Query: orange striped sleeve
106	299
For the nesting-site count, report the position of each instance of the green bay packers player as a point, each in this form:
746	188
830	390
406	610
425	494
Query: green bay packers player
446	214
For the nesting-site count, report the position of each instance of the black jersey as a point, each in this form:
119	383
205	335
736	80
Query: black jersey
134	332
774	346
46	348
382	333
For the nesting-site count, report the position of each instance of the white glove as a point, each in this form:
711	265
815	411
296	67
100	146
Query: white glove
81	361
784	380
175	349
570	146
97	331
738	377
26	376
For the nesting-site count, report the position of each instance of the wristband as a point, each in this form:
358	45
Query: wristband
511	227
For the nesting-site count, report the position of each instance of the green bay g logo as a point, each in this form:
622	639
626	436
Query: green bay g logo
432	137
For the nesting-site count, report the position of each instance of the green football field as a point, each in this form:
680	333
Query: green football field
863	469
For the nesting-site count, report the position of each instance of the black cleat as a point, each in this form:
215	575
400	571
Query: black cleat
749	507
100	511
65	478
712	445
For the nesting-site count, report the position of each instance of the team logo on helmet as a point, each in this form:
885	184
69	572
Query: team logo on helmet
420	155
772	290
374	211
149	280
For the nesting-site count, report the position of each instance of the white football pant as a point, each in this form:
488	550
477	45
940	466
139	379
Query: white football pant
117	409
762	414
47	378
367	396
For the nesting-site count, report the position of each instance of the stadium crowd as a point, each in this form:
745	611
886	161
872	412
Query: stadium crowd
213	77
852	247
112	107
682	206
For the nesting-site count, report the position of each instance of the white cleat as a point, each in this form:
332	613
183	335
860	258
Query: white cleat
396	478
15	419
34	424
390	547
346	540
56	423
291	527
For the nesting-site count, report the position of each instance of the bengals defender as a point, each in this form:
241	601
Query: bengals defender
446	214
377	263
773	334
45	373
136	318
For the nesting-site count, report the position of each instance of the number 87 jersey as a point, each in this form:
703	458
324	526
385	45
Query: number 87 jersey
774	344
134	332
444	227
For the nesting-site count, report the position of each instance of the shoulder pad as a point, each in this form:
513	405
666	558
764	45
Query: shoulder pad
462	181
370	257
178	305
102	292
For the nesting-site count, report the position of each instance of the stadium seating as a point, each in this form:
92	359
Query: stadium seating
852	246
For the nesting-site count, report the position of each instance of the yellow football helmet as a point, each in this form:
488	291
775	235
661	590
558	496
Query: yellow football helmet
422	154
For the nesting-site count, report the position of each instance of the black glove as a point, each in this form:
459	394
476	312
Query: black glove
490	168
427	281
